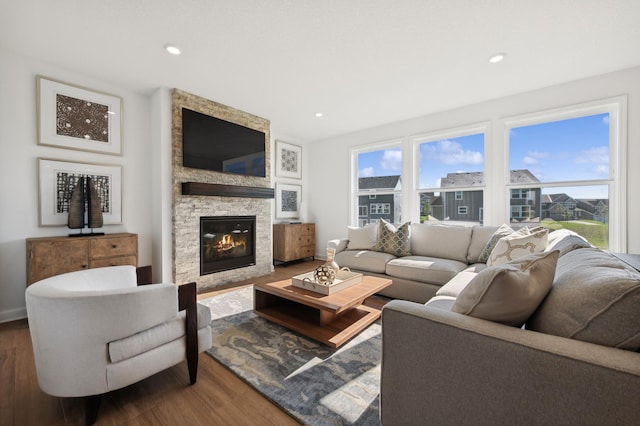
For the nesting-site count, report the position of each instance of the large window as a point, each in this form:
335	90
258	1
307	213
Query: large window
379	184
560	171
451	169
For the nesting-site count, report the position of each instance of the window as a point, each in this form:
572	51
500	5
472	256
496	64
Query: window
379	185
446	161
380	208
560	171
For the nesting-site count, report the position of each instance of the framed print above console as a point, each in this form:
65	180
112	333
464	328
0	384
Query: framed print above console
288	160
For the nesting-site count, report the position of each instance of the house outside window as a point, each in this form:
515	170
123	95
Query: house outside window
451	172
379	184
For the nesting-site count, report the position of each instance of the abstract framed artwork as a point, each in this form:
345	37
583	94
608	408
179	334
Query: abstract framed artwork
288	160
288	199
57	179
78	118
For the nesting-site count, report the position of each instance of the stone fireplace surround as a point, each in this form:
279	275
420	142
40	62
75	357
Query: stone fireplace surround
187	209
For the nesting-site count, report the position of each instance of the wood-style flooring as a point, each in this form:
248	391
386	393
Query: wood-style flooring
218	398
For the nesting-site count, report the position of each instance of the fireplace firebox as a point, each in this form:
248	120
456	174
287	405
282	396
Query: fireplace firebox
227	242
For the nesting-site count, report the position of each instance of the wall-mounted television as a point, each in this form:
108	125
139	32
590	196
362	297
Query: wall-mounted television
214	144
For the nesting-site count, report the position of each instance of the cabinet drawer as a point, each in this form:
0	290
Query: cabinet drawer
308	251
114	261
306	229
115	246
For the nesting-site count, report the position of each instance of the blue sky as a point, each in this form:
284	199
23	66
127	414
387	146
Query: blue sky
575	149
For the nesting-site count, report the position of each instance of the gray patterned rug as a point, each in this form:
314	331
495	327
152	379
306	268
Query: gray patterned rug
315	384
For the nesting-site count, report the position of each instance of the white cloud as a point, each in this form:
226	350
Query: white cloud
391	160
597	155
451	152
534	157
605	120
366	172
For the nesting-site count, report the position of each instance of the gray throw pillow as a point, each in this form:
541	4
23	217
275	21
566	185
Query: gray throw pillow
502	231
509	293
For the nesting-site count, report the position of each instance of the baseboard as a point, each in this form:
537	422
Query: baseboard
13	314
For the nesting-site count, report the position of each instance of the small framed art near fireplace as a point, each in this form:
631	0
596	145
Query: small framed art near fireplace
227	242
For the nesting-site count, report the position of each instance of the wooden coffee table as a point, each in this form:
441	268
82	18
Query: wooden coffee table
331	319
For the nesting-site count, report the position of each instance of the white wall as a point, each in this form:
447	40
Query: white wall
329	175
19	152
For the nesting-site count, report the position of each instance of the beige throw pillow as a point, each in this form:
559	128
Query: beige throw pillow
509	293
364	238
520	243
503	231
394	241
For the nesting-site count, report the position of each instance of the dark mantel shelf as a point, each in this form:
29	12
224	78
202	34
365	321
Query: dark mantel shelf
214	189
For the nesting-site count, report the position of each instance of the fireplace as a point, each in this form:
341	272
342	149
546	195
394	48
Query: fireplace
227	242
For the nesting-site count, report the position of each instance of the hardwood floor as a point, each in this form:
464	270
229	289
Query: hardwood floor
218	398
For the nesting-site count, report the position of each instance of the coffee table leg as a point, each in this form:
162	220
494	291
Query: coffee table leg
326	317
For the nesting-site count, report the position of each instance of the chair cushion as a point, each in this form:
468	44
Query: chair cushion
364	260
456	284
511	292
424	269
154	337
595	298
441	302
364	238
393	240
440	241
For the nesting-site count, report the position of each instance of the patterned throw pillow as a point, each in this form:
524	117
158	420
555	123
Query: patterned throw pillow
520	243
394	241
503	231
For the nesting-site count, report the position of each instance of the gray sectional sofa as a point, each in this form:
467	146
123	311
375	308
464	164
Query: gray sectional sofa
438	254
572	356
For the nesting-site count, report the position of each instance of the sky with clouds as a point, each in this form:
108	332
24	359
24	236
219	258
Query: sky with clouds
567	150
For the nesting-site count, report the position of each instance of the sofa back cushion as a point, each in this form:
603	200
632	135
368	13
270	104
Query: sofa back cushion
480	236
364	238
443	241
594	298
508	293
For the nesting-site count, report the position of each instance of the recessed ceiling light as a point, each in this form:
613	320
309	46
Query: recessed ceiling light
172	49
494	59
319	114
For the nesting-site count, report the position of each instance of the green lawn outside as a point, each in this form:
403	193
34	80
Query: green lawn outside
597	233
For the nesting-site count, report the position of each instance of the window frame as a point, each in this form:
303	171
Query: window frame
616	182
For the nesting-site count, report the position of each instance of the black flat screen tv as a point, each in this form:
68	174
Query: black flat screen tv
214	144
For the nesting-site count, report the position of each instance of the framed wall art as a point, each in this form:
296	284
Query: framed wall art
57	179
288	160
288	199
78	118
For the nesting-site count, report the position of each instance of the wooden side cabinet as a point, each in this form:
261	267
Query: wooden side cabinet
293	241
51	256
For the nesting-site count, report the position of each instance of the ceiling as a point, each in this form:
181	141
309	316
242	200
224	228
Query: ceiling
362	63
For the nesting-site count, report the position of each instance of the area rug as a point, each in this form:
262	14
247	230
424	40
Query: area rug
315	384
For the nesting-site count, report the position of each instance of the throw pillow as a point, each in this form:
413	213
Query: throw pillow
518	244
362	238
502	231
394	240
509	293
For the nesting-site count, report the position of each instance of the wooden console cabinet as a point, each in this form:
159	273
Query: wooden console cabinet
51	256
293	241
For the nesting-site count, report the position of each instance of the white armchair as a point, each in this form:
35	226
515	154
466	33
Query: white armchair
96	330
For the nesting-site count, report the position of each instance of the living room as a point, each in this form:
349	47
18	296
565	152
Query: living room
327	174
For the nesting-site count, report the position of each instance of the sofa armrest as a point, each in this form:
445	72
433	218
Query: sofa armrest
441	367
338	244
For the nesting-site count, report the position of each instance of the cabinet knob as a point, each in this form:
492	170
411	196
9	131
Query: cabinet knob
114	246
84	266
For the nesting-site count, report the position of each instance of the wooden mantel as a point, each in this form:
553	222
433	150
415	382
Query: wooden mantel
220	190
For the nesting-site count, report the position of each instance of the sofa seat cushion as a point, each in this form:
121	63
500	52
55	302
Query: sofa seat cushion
424	269
154	337
594	298
456	284
364	260
441	302
440	241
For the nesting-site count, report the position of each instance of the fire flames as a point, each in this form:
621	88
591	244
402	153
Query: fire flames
226	245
